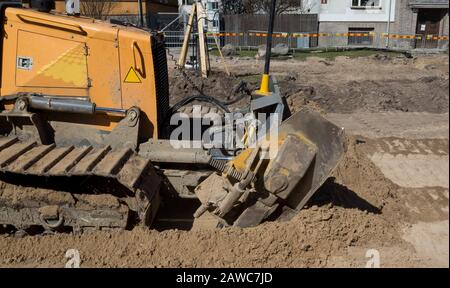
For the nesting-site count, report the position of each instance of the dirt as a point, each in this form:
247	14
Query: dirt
346	85
218	84
361	207
337	224
374	86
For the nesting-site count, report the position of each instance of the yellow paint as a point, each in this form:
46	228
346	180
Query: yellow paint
131	43
70	67
57	63
240	161
132	77
264	89
80	57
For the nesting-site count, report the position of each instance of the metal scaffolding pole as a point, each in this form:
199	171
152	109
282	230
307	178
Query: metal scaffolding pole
140	14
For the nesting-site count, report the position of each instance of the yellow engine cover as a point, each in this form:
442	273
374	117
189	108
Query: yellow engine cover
109	65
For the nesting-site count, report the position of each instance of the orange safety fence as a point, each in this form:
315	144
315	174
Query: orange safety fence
316	35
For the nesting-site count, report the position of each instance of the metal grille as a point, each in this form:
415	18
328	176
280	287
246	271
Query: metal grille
161	80
360	36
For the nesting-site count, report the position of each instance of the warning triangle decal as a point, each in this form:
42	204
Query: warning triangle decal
132	77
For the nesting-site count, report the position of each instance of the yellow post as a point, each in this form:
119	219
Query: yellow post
265	81
264	88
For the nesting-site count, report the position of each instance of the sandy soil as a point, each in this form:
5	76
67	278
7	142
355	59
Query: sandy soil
371	84
384	195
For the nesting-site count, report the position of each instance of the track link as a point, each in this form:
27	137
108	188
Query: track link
24	205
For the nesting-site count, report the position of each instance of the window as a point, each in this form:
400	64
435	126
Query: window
360	36
213	6
365	3
215	23
323	1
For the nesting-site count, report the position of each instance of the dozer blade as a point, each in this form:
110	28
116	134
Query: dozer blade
312	153
309	148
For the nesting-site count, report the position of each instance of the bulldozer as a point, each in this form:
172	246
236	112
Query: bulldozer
86	134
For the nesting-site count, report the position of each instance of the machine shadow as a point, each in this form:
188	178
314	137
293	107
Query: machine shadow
176	213
340	195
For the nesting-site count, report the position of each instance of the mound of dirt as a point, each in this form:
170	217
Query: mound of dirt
218	85
345	91
429	94
426	94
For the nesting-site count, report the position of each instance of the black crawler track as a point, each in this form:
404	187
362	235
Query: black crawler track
23	205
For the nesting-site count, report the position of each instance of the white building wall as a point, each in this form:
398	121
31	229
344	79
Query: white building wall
342	11
340	16
211	9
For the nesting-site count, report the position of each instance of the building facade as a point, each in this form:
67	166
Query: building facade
424	18
378	17
211	9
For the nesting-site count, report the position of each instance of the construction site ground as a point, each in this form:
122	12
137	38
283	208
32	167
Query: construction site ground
389	193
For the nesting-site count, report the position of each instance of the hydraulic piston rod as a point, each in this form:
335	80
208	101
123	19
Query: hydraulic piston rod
69	105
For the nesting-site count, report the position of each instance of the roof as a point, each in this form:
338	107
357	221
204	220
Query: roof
428	3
